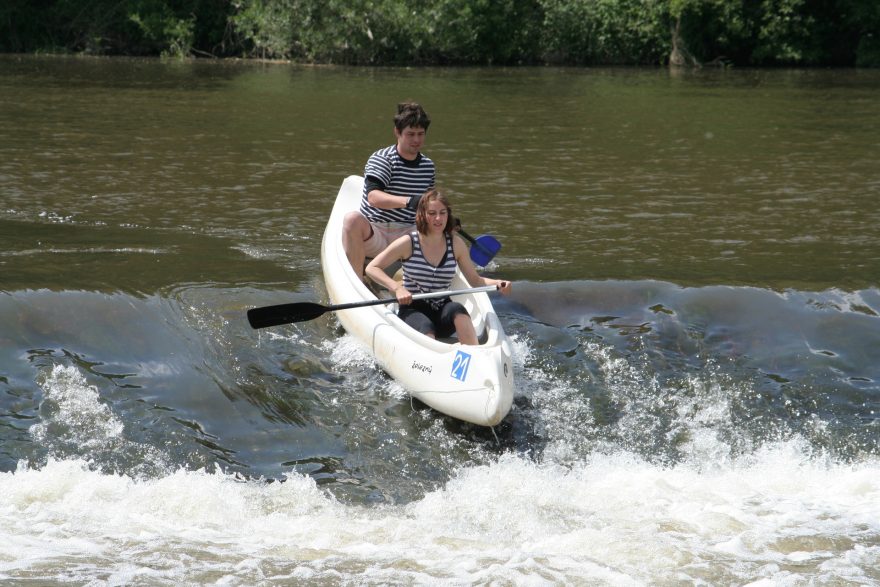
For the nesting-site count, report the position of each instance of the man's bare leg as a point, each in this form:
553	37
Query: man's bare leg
355	231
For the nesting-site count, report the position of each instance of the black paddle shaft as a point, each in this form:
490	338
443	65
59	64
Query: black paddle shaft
304	311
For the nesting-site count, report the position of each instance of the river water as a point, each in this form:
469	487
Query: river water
695	317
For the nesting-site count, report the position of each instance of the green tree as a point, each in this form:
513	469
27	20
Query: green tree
864	17
486	31
266	27
739	32
606	31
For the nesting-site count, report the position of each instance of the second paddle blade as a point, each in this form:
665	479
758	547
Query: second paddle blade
284	314
484	249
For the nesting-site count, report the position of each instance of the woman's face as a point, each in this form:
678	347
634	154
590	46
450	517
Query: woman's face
437	215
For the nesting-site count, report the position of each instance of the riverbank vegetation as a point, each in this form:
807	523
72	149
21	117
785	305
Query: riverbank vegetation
457	32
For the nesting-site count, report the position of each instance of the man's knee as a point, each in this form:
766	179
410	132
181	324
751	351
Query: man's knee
354	223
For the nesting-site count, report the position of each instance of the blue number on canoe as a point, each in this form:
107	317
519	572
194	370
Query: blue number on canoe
460	365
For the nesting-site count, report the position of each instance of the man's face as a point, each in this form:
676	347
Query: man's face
410	141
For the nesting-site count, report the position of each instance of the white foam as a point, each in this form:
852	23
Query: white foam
74	420
73	412
348	352
773	518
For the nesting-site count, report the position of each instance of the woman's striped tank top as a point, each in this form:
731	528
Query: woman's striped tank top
419	276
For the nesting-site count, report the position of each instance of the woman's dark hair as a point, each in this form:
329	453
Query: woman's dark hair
411	114
432	195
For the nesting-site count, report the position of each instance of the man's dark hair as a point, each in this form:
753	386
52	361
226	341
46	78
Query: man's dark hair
411	114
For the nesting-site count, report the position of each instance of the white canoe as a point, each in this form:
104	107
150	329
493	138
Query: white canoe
471	383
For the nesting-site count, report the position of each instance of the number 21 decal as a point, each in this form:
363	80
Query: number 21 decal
460	365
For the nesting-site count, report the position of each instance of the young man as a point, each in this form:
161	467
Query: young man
394	180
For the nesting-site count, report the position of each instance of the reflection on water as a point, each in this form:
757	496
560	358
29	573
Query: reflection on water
738	177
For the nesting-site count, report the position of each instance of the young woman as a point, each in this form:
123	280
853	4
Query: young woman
429	256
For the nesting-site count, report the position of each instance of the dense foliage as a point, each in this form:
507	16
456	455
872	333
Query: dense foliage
594	32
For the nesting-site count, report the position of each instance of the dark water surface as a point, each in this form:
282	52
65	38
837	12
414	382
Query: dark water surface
696	318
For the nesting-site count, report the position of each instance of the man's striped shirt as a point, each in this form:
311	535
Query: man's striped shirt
398	177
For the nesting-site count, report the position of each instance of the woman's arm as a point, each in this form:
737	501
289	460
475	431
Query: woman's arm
397	251
474	279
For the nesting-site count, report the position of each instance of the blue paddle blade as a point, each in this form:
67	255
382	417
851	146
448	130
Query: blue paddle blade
484	249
